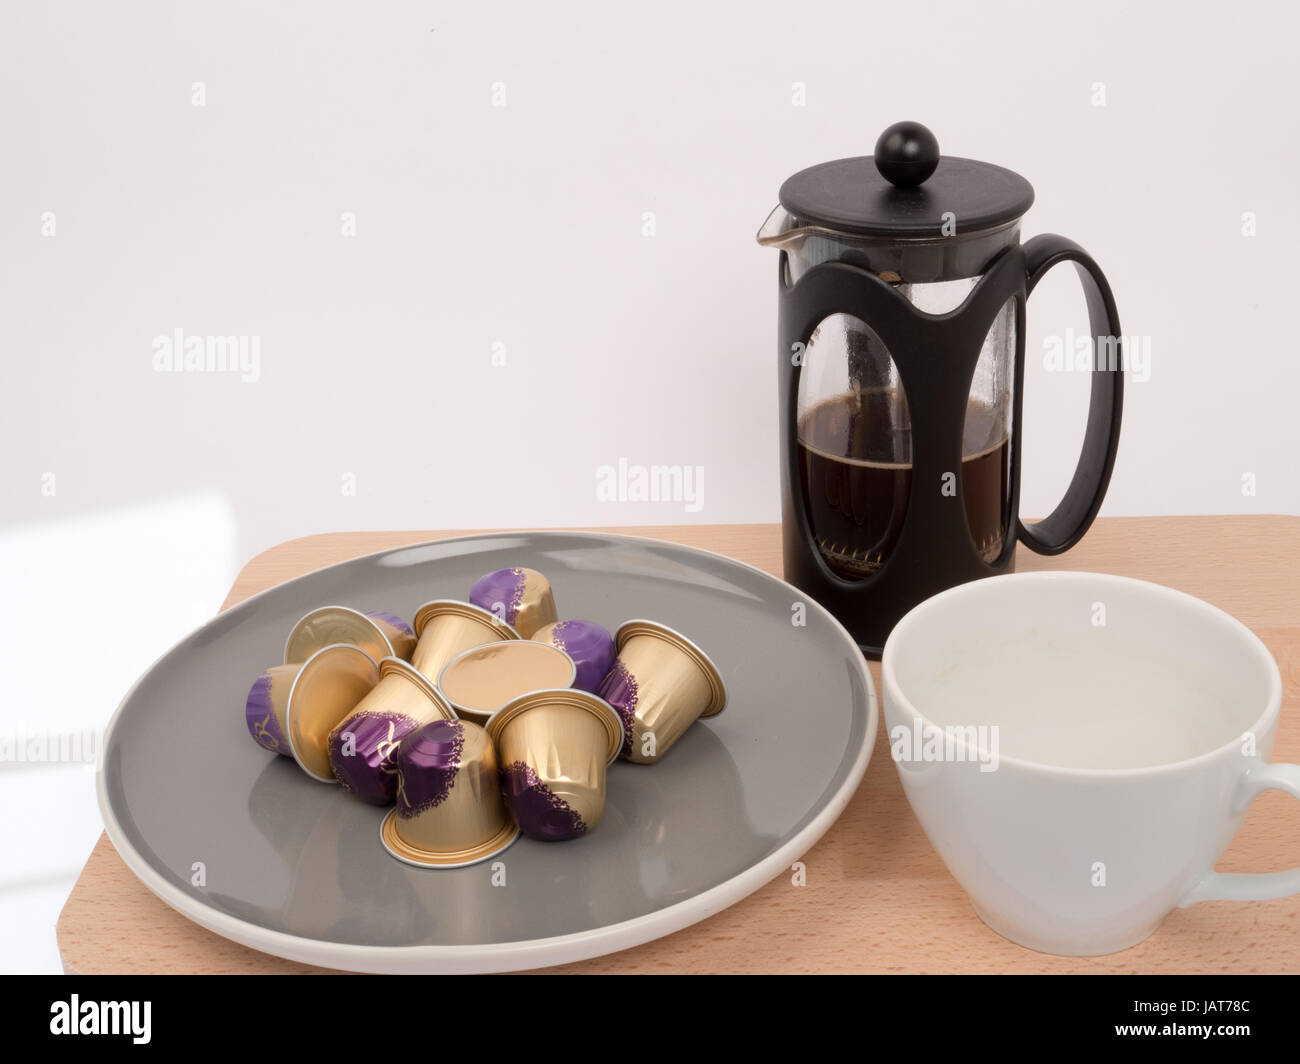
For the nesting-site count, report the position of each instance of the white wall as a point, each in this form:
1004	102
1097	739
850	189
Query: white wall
478	224
522	225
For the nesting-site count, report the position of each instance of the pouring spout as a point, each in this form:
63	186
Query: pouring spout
779	231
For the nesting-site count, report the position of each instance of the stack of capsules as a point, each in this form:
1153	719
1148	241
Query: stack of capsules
483	719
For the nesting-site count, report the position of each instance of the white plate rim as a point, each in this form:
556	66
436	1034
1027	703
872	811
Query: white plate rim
502	956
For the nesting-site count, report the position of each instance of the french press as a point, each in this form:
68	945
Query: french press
902	289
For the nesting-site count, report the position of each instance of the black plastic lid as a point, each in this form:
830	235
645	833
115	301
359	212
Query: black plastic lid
905	189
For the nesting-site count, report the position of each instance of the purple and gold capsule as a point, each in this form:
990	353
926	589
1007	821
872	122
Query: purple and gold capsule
291	709
264	708
363	747
379	634
449	808
661	683
446	627
481	680
520	597
553	747
589	645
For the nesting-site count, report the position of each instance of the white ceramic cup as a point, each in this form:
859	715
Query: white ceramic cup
1081	748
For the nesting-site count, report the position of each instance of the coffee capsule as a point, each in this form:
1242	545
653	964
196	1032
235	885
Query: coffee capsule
265	706
553	747
379	634
274	692
481	680
660	684
589	645
445	627
363	747
292	709
449	809
520	597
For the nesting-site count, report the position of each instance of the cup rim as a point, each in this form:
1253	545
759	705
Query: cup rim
358	617
604	712
892	690
395	666
324	658
437	607
487	714
397	847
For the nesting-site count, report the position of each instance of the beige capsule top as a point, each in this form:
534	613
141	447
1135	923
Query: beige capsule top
484	678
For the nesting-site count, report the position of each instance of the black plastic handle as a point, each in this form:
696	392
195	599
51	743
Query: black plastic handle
1066	525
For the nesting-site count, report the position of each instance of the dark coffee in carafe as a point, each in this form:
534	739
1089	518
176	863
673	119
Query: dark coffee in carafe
856	474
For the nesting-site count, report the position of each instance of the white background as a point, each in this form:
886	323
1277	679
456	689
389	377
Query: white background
479	225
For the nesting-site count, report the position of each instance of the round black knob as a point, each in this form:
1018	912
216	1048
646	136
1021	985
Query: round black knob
906	154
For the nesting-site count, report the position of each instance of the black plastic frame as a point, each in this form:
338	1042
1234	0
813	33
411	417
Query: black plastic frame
936	356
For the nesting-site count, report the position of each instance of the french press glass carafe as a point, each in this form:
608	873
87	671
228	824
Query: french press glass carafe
902	291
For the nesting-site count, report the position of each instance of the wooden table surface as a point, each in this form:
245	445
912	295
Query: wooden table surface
877	897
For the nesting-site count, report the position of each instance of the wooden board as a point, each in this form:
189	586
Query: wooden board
877	898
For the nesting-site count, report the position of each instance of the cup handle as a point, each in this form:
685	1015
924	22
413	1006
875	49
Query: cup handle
1259	886
1065	525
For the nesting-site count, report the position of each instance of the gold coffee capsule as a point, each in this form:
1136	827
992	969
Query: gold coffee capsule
363	747
379	634
481	680
445	627
520	597
327	687
449	810
266	712
553	747
660	684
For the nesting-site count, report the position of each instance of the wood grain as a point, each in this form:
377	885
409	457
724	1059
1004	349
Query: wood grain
877	899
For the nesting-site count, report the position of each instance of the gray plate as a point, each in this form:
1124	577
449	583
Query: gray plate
295	867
